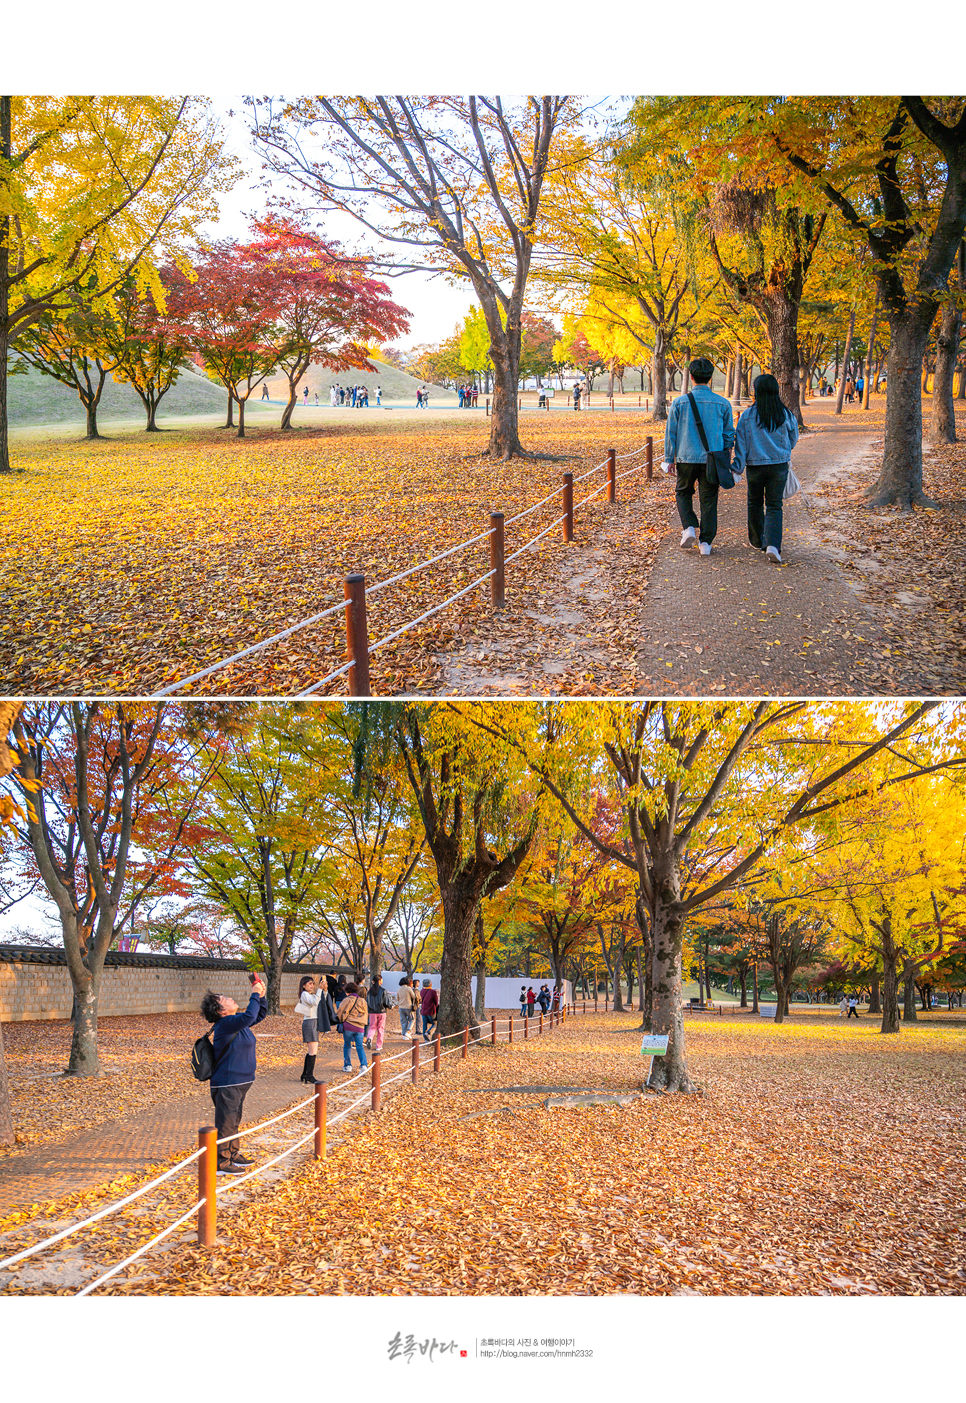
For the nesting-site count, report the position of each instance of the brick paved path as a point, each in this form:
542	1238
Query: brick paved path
134	1144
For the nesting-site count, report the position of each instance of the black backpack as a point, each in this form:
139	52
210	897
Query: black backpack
204	1063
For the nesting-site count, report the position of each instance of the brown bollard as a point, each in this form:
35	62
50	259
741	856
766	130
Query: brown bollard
466	1040
376	1080
649	458
568	507
493	1032
436	1054
612	474
510	1038
357	635
520	403
541	1020
415	1063
497	552
526	1029
207	1178
488	408
321	1099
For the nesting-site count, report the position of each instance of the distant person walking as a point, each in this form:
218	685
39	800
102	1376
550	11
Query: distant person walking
305	396
853	1007
531	1000
843	1005
543	998
264	390
378	396
407	1001
685	451
429	1006
379	1005
236	1055
353	1014
766	434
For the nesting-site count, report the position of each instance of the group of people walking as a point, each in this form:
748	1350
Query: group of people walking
529	1000
353	396
698	443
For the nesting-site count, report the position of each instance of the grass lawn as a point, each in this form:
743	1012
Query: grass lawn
819	1159
130	562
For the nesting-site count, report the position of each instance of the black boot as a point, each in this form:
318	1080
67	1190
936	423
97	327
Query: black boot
309	1074
305	1067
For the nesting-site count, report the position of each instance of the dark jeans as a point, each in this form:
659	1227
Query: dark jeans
687	475
228	1113
766	484
429	1028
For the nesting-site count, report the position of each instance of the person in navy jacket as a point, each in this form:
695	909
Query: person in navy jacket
235	1058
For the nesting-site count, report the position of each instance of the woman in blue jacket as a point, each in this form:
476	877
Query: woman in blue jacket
764	438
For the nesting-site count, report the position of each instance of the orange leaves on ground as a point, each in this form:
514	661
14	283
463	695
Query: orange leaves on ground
819	1159
134	561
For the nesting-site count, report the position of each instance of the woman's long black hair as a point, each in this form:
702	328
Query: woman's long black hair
303	982
769	405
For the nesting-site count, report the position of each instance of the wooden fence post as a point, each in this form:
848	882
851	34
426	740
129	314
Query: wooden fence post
415	1063
612	474
493	1032
376	1080
436	1054
649	458
321	1096
510	1038
357	635
466	1040
207	1172
568	507
497	551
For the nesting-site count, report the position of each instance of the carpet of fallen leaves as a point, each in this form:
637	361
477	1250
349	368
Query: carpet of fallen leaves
819	1158
137	560
144	1061
911	568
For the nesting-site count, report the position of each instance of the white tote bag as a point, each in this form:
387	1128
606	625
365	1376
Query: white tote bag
792	484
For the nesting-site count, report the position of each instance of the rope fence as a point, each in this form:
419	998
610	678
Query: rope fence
357	591
205	1156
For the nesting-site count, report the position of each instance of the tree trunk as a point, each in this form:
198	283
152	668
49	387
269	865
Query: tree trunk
743	976
230	421
871	352
6	1112
754	1006
943	404
241	418
900	481
669	1073
641	992
840	397
456	1009
890	998
781	318
874	1005
5	139
479	1003
84	1060
659	376
736	397
909	996
505	356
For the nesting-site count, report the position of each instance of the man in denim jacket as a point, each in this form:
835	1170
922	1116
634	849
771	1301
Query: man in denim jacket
684	450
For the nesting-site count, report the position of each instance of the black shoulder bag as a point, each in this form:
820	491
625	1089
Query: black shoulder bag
718	460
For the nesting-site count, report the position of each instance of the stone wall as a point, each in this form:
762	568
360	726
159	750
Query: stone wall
36	984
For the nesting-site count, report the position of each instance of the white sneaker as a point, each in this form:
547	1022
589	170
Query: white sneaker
772	554
705	548
688	537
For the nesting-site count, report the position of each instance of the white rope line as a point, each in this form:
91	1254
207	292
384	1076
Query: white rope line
351	1107
622	456
337	673
234	1183
423	564
172	1227
519	515
405	629
95	1217
534	539
246	652
590	472
602	488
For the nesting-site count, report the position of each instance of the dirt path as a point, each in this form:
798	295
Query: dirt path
682	624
